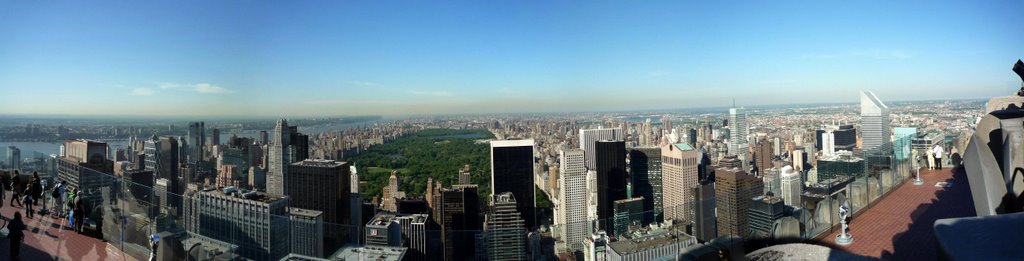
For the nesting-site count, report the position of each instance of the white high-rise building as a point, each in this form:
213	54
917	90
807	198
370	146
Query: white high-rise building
791	189
828	143
572	181
589	137
874	120
738	135
591	198
798	160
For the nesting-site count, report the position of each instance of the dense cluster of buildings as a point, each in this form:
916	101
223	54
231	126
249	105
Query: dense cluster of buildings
620	190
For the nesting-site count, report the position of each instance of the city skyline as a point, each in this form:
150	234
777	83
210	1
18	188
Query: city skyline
325	59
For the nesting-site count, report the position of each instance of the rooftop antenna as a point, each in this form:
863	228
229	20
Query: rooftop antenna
734	102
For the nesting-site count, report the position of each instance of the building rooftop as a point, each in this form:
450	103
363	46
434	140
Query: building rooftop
841	156
504	197
232	191
683	146
382	219
305	212
319	163
653	239
378	253
417	218
511	143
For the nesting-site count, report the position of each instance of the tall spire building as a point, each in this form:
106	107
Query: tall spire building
280	157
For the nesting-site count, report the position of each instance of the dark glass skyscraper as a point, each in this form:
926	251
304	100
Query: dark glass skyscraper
458	214
322	185
645	168
610	162
196	140
512	171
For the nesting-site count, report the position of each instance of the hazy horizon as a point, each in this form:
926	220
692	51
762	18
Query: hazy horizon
327	59
722	108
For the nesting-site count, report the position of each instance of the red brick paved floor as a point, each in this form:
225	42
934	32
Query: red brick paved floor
45	240
899	227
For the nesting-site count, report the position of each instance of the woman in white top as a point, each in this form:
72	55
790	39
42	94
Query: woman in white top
938	151
931	159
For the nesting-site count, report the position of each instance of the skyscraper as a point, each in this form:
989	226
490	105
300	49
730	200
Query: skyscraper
414	233
196	141
844	138
256	222
738	134
791	186
704	221
734	190
458	213
322	185
771	180
572	196
589	137
512	171
307	230
799	159
645	168
679	172
506	233
628	212
355	203
215	137
610	157
465	175
763	154
764	211
13	158
280	157
828	143
874	120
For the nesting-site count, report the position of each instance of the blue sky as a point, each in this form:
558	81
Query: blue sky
410	57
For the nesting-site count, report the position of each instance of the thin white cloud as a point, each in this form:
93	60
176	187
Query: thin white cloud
362	83
431	93
349	102
198	87
143	92
210	88
875	54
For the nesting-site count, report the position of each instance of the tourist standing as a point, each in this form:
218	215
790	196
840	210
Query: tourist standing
16	235
58	199
931	158
15	189
3	189
938	151
28	200
79	209
154	242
